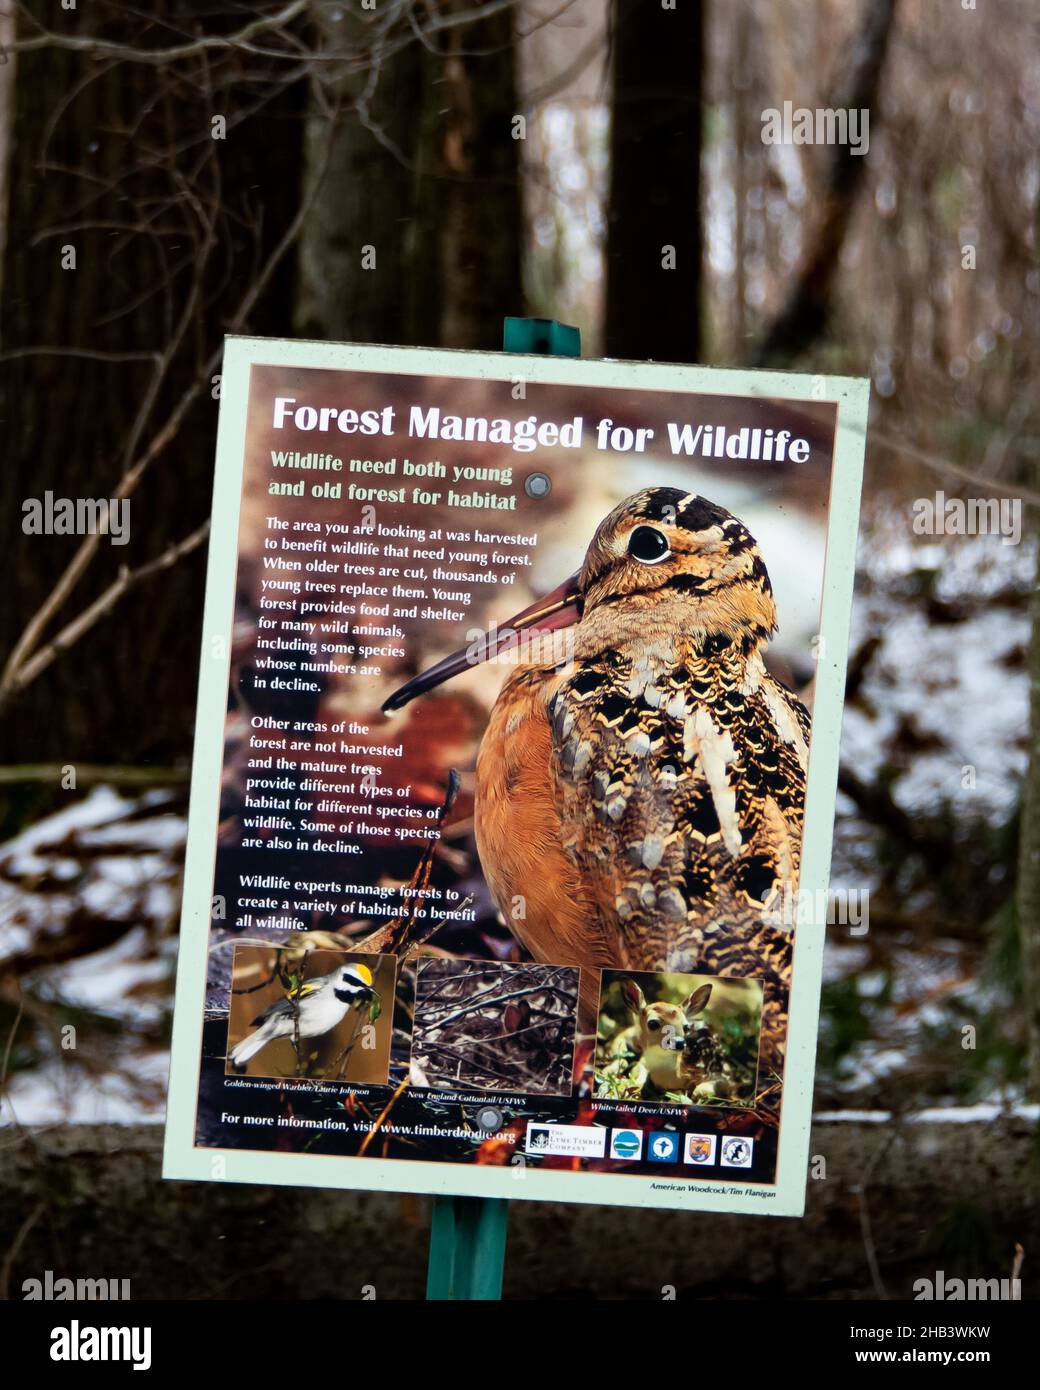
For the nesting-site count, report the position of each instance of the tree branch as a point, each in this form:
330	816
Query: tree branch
804	314
107	599
104	48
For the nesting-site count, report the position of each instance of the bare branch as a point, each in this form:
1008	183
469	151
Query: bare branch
21	667
13	677
104	48
94	775
955	470
91	354
107	599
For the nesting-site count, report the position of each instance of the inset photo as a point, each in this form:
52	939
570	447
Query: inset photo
326	1015
487	1026
677	1039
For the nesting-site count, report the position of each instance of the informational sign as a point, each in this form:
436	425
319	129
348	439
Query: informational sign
514	776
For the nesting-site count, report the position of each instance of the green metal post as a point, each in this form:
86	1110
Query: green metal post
468	1234
541	336
467	1248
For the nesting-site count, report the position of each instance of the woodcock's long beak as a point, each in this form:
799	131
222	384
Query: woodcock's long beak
558	609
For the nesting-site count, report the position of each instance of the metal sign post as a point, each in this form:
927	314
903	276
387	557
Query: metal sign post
468	1234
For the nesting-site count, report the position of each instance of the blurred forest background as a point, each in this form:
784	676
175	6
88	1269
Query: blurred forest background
208	168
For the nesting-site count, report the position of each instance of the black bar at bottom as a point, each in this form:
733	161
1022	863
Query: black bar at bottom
261	1340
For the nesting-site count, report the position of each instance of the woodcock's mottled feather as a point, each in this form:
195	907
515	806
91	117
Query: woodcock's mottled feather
641	782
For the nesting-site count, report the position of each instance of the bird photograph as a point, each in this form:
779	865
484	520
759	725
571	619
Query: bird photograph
640	784
315	1021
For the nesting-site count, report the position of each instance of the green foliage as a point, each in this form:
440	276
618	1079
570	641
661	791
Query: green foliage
848	1017
997	1062
966	1243
22	804
33	1038
1002	968
25	1049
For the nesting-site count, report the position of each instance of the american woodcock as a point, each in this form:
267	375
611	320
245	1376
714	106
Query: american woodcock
640	785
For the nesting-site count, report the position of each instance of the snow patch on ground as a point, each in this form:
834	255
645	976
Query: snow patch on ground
960	684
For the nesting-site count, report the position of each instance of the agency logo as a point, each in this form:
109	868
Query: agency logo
538	1139
626	1143
663	1147
736	1152
566	1141
700	1149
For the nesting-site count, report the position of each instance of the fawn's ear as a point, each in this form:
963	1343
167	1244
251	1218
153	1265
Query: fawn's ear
698	1000
632	995
516	1015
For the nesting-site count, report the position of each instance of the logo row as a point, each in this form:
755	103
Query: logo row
662	1146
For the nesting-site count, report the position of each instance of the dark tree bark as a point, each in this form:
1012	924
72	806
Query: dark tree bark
804	314
1028	888
469	231
357	257
93	148
415	230
654	223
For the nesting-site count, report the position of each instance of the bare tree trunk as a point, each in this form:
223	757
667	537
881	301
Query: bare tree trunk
743	20
101	156
64	415
470	228
415	230
1028	894
356	261
653	219
804	315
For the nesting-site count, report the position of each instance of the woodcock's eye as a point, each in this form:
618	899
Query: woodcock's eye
648	545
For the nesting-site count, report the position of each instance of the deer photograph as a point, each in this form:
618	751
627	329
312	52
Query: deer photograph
686	1039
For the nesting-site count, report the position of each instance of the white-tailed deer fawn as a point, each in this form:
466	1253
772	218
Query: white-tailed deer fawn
679	1051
